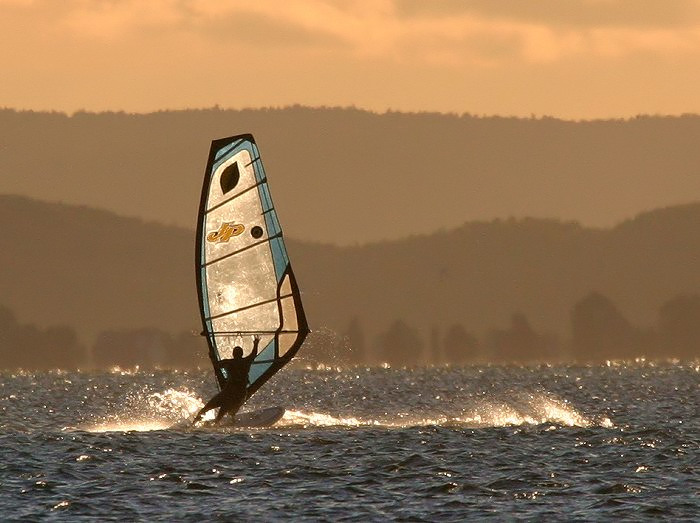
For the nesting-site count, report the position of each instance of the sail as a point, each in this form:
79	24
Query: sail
245	281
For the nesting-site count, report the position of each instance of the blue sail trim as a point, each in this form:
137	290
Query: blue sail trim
221	152
265	197
258	169
279	257
230	151
279	252
273	224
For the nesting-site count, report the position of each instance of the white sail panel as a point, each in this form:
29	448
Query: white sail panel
289	314
255	320
254	274
239	178
286	342
286	286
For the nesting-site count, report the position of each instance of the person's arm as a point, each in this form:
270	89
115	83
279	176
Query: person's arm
254	352
222	363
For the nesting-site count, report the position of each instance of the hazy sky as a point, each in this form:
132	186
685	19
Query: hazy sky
567	58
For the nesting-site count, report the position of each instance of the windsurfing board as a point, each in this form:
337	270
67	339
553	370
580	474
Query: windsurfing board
257	418
252	419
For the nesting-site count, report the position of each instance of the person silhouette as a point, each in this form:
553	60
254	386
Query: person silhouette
233	394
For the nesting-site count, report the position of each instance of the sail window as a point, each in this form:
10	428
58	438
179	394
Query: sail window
229	178
256	232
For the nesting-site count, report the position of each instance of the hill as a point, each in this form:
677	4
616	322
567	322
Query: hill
94	270
344	175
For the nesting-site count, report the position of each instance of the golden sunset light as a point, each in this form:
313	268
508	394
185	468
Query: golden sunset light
349	260
577	59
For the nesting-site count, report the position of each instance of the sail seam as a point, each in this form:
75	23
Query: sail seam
236	333
249	307
278	235
227	149
256	159
235	196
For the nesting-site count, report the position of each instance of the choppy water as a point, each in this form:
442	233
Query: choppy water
575	443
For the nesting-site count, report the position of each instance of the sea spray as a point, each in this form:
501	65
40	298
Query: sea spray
144	410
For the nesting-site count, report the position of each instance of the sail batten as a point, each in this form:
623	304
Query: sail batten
245	282
278	235
238	195
252	306
240	333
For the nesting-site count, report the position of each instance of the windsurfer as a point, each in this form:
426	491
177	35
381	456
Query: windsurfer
233	394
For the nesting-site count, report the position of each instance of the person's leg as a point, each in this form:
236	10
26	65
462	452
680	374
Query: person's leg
231	406
219	415
211	404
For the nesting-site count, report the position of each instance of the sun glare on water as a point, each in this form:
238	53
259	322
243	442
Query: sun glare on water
172	408
128	426
148	411
533	409
537	409
317	419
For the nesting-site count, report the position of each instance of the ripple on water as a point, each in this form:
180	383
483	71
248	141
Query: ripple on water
359	444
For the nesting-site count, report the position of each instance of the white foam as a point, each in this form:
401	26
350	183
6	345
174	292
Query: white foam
530	409
127	426
536	410
317	419
148	411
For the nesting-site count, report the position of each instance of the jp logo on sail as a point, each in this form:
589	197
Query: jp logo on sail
225	232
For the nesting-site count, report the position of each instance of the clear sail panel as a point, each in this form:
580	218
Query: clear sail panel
241	280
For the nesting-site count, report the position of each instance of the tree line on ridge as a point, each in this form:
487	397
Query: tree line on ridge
599	332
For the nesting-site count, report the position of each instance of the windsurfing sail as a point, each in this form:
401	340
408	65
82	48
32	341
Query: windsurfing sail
245	281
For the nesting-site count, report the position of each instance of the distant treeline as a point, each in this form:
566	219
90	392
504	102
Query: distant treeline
28	347
599	332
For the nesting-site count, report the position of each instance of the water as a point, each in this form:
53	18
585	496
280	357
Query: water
575	443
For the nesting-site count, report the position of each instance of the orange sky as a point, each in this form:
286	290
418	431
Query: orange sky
566	58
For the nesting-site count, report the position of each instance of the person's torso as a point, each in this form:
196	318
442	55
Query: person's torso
236	375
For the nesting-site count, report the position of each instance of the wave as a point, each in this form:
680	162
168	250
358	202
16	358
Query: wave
537	409
172	408
147	411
